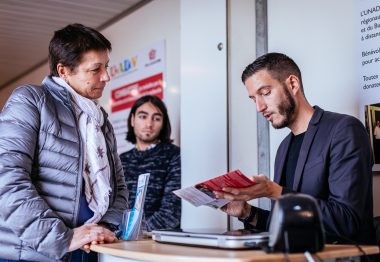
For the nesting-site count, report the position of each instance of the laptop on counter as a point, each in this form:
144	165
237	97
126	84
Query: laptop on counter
218	238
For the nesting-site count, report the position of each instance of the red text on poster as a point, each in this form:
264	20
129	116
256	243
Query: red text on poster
124	97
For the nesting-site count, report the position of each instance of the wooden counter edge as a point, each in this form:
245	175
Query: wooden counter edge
329	252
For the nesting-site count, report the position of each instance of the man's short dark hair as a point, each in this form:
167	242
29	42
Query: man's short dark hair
278	65
69	43
166	130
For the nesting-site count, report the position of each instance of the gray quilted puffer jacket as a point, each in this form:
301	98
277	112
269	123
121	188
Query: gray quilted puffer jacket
41	166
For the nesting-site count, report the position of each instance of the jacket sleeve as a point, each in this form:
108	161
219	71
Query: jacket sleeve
350	181
263	217
115	211
22	209
169	214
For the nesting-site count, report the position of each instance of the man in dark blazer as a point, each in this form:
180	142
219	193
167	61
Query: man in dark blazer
326	155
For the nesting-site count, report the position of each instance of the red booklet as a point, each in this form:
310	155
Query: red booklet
232	179
202	193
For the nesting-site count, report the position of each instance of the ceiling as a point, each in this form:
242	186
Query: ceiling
26	27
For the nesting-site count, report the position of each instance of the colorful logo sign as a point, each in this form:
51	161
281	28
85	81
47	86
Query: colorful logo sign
123	67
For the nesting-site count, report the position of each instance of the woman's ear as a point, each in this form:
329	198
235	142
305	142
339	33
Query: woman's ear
63	71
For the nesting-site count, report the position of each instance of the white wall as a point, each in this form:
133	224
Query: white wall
320	35
203	103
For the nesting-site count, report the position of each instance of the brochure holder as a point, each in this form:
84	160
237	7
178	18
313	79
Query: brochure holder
132	218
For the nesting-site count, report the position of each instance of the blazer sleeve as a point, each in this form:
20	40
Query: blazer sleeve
349	180
263	218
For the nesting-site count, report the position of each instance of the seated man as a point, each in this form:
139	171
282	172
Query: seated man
326	155
149	129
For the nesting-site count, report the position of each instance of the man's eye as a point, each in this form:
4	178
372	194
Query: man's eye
266	93
142	116
158	119
253	99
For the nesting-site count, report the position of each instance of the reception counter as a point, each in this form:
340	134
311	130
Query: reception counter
149	250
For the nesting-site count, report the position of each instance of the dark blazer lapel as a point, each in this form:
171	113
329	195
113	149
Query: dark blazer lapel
306	145
281	157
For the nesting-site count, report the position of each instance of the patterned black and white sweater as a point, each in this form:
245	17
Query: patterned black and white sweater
162	208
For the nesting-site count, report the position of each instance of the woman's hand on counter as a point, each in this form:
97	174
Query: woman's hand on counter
90	234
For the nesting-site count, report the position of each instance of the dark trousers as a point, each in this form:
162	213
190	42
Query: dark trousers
76	256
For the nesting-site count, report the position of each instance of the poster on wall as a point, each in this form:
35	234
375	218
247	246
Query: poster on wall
369	80
132	77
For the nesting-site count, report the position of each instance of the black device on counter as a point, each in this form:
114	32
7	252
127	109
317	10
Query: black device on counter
296	225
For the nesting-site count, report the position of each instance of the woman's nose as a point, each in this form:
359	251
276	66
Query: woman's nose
105	76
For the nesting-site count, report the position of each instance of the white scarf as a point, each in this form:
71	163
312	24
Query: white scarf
96	172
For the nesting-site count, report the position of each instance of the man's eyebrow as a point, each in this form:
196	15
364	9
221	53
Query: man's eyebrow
263	87
142	112
157	114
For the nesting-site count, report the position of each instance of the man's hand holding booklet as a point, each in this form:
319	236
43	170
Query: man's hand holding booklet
203	193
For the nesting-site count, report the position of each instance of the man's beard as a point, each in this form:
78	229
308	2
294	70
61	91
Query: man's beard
286	109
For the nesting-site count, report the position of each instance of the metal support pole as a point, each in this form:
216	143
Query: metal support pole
262	124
